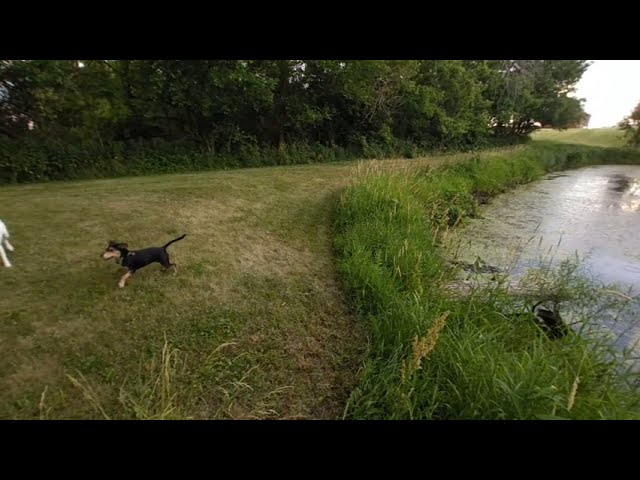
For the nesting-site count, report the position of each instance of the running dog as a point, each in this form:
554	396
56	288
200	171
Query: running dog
134	260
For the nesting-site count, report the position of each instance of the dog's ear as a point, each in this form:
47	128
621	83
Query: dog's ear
124	245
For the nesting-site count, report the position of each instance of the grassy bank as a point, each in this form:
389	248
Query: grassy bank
434	356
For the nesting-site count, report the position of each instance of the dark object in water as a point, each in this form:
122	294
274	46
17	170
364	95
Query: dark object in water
550	321
481	197
620	183
477	267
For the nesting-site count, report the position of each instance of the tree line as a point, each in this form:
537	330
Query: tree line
74	118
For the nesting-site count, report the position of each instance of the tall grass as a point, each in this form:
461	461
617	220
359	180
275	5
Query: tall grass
151	395
434	356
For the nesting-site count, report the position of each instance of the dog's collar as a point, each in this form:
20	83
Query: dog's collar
129	254
124	257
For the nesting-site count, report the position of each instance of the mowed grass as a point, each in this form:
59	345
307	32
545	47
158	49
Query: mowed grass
254	322
596	137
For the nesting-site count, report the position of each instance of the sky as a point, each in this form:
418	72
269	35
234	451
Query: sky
611	89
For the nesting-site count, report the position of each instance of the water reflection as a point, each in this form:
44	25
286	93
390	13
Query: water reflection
619	183
630	201
591	211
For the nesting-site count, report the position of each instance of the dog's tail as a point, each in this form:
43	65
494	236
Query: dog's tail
174	240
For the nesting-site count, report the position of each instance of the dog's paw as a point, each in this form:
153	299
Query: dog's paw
121	285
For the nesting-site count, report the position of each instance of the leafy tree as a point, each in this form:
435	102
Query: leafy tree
631	126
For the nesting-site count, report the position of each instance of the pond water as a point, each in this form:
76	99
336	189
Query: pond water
592	211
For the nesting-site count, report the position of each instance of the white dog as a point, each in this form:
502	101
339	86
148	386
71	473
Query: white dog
4	242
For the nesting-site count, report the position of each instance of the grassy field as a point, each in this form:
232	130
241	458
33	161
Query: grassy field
253	325
596	137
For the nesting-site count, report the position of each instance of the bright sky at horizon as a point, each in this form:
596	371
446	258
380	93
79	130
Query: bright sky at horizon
611	89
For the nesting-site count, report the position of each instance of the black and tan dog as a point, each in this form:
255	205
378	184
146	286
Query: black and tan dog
136	259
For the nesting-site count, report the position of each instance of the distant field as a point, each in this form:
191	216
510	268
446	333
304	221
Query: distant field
597	137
